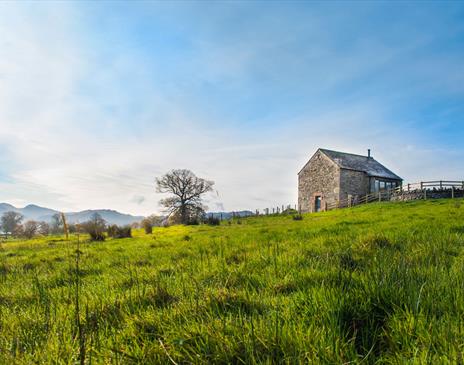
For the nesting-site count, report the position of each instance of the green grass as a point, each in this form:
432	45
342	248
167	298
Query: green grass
381	283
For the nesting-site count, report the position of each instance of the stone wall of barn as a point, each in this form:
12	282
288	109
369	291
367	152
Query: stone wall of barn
320	176
354	183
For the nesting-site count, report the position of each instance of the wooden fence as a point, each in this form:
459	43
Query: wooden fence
418	190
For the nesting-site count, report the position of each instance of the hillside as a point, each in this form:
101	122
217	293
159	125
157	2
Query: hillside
380	283
37	213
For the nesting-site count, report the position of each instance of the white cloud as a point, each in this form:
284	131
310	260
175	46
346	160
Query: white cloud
85	128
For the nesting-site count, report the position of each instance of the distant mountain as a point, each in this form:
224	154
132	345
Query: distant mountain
37	213
4	207
34	212
111	216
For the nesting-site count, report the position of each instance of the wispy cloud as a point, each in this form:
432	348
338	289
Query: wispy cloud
97	100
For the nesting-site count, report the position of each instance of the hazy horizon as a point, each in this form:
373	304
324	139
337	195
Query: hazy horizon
99	98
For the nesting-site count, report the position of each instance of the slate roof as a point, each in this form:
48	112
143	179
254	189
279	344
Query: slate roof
360	163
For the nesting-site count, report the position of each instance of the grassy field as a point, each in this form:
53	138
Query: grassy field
381	283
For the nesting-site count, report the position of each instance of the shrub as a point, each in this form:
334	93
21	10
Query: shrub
212	221
95	227
297	217
124	232
147	225
72	228
115	231
111	230
96	236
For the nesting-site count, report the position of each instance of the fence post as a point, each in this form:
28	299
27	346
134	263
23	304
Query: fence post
441	184
425	194
380	196
422	185
366	198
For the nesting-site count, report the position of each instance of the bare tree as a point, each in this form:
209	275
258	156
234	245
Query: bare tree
11	222
185	204
30	229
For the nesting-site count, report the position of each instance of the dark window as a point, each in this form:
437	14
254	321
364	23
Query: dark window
377	185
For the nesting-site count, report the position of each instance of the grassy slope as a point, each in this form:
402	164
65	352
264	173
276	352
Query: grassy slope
379	283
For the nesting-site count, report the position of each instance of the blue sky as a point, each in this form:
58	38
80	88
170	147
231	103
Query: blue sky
97	99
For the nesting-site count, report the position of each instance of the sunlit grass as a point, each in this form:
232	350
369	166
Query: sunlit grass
376	283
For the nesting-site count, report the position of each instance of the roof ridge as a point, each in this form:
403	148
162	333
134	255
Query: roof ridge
345	153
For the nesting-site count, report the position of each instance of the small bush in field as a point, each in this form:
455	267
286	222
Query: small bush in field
95	227
297	217
148	229
212	221
97	236
147	225
111	230
119	232
124	232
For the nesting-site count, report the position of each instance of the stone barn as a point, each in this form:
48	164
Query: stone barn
330	176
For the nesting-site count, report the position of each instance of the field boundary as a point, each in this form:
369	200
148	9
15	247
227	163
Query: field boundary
436	189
